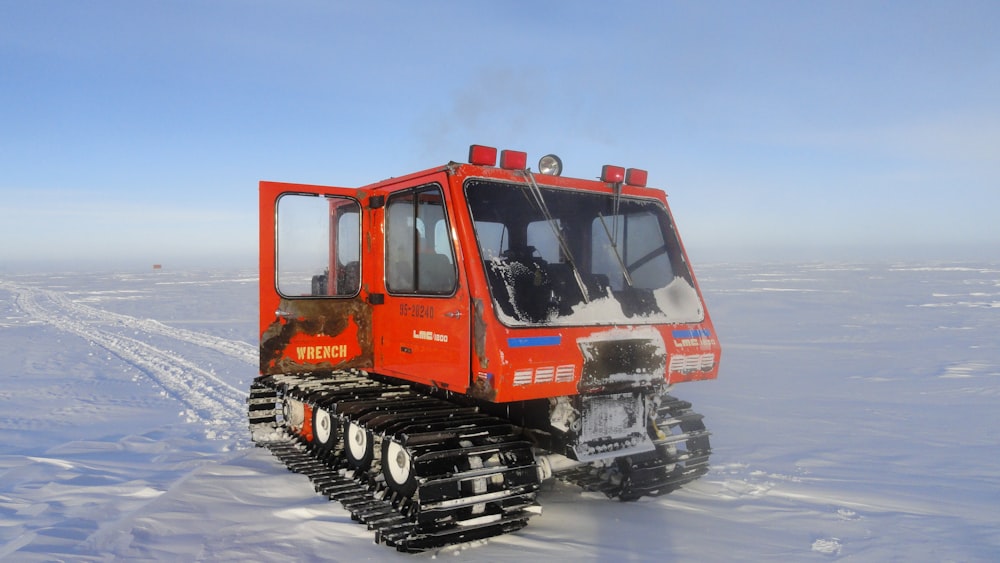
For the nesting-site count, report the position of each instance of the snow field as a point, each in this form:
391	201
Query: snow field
854	418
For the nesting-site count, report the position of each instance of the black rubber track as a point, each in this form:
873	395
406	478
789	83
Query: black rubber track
475	475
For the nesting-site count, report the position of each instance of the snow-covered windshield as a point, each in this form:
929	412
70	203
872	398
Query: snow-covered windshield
569	257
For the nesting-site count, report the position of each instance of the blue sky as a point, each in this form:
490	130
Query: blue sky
136	132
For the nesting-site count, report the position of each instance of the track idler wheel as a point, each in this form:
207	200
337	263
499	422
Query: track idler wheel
625	466
397	468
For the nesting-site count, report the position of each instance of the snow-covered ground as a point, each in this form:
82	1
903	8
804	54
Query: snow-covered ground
855	417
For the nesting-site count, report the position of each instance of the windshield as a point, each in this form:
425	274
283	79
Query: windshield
570	257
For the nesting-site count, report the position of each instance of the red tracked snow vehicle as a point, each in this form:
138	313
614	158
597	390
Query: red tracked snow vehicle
434	346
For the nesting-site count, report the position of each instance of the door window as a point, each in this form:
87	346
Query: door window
318	246
419	254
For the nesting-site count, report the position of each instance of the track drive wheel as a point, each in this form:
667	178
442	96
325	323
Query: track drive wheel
294	413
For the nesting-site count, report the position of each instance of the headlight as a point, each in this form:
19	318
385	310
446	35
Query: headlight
550	164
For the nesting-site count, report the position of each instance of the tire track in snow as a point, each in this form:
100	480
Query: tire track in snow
207	398
233	348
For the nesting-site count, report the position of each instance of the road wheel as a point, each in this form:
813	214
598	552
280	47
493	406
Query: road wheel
359	446
397	468
323	430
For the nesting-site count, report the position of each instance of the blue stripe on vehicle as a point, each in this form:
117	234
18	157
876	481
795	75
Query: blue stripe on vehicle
694	333
534	341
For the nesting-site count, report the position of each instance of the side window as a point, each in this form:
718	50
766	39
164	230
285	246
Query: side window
318	246
419	255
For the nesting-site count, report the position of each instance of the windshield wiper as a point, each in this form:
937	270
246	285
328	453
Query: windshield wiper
536	194
614	247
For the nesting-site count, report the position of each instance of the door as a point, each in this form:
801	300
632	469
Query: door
313	310
423	326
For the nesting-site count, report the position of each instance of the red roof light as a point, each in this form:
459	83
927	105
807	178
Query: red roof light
636	177
513	160
612	173
482	155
